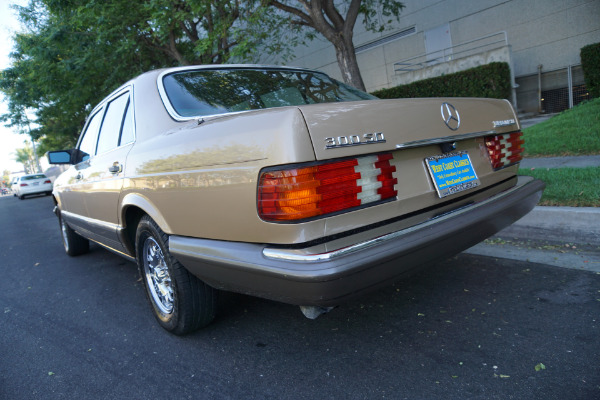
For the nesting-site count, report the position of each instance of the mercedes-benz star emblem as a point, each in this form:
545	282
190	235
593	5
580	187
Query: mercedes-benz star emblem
450	116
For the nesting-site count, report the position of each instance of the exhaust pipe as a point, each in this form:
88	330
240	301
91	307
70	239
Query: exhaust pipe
312	312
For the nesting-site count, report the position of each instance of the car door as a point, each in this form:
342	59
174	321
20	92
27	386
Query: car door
71	190
102	179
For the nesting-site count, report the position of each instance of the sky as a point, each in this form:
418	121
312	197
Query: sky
9	139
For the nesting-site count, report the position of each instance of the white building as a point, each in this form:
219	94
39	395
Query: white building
540	39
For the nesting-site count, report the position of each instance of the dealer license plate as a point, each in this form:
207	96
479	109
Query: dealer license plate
452	173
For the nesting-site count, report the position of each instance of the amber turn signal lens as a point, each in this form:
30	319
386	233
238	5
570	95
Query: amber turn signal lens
301	193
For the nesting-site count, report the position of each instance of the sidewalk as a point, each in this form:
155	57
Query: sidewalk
579	225
561	162
568	224
566	237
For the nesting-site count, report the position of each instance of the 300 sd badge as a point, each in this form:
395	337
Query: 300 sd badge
354	140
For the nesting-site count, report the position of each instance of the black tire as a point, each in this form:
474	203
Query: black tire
181	302
74	243
21	197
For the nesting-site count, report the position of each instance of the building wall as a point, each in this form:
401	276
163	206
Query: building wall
539	32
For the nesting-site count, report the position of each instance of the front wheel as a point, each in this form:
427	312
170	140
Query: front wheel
181	302
74	244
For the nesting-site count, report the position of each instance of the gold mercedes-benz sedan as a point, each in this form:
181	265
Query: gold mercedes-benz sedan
285	184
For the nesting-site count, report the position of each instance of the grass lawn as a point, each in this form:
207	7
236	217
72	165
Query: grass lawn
575	187
573	132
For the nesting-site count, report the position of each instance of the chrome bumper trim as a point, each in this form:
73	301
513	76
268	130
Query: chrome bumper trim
91	221
301	255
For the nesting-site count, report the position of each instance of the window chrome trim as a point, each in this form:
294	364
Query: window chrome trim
302	255
101	107
445	139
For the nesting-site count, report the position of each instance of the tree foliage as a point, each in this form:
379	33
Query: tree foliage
590	62
75	52
5	177
24	155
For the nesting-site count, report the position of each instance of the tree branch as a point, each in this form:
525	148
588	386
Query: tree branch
333	15
292	10
351	17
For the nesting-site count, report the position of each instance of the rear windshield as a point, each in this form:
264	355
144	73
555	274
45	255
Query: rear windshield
207	92
31	177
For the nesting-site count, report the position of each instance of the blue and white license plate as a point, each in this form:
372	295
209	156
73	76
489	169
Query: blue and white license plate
452	173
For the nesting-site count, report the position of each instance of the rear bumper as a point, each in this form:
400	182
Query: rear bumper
303	277
42	188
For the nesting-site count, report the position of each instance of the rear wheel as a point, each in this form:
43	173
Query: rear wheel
181	302
73	242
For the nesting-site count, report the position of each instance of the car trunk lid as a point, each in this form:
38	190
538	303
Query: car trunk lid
355	128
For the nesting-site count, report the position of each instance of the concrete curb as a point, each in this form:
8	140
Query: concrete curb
561	162
557	224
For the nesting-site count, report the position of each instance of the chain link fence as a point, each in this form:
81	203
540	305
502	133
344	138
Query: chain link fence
551	91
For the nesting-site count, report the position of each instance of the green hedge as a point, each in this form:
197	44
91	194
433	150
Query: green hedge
590	62
491	80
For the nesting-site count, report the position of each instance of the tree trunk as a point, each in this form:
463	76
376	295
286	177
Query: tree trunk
346	58
323	16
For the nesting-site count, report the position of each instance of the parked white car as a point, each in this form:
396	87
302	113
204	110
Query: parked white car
32	184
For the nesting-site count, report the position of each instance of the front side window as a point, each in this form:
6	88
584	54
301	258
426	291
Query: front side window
197	93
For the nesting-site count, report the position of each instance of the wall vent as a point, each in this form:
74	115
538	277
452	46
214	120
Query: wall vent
386	39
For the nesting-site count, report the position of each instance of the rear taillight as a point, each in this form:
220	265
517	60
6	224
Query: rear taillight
23	184
505	150
48	181
300	193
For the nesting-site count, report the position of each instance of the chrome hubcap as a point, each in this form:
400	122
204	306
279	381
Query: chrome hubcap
157	276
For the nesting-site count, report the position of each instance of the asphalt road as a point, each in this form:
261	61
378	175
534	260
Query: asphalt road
470	327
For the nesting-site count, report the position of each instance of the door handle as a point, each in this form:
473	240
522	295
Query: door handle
116	168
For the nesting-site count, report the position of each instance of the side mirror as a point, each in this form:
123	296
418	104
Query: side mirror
72	156
60	157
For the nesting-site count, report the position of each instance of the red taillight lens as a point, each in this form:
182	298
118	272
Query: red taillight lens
23	184
48	181
505	150
300	193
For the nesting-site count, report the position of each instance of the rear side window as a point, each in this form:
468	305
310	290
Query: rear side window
112	124
127	131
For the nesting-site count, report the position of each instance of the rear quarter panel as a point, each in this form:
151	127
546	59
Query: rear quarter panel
202	179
